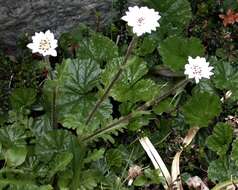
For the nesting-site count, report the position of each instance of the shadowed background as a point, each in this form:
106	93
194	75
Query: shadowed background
29	16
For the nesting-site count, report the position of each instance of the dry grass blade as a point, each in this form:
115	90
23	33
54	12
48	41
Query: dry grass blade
147	150
156	158
175	170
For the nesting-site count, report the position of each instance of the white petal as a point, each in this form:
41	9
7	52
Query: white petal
49	35
125	18
196	80
30	46
53	53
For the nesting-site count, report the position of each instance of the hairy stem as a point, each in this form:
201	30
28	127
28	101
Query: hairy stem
127	118
114	80
53	105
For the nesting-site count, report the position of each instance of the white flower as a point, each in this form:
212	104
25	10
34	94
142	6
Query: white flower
143	20
44	43
198	68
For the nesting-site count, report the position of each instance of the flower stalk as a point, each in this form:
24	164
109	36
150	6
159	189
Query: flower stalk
116	124
114	80
53	105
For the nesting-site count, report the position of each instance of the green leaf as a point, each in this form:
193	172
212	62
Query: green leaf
165	106
52	143
175	15
73	119
64	179
147	46
227	4
110	70
149	177
234	155
226	78
76	80
89	180
140	181
19	184
142	90
12	136
139	122
222	170
114	158
220	139
98	48
81	76
16	156
22	98
201	108
95	155
131	87
175	51
41	125
60	162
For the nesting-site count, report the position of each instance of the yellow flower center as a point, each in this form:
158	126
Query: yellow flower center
45	45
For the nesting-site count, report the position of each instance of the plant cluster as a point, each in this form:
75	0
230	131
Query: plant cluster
153	105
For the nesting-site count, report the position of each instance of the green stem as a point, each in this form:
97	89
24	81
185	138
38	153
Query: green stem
53	105
127	118
114	80
15	182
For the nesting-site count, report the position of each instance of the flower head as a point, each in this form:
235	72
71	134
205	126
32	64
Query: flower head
198	68
44	43
142	19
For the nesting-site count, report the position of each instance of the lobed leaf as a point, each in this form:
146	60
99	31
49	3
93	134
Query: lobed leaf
201	108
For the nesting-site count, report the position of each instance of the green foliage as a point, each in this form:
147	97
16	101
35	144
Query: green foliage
98	48
131	87
201	108
52	143
234	154
114	158
95	155
75	80
22	98
46	140
220	139
226	78
172	21
175	51
222	170
165	106
15	156
147	46
149	177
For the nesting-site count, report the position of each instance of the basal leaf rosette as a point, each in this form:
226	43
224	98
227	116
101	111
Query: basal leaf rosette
75	81
201	108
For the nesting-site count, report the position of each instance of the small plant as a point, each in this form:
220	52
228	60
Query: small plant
152	107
